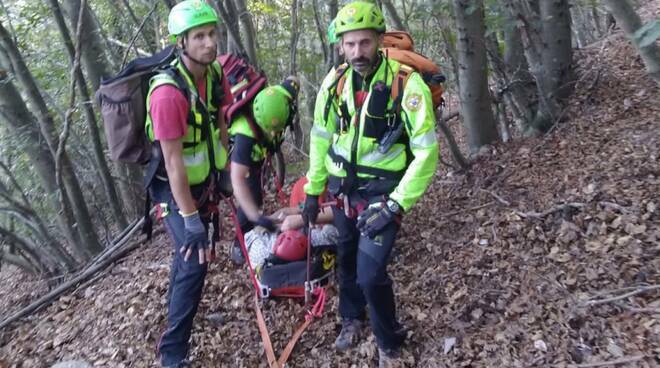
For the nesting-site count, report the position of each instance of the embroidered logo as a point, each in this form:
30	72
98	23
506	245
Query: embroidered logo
197	4
414	101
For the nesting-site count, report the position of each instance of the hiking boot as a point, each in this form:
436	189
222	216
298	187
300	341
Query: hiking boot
389	358
349	334
236	254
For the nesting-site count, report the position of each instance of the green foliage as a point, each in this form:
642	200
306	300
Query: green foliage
648	33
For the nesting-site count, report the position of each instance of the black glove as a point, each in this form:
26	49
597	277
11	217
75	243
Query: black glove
372	220
195	236
311	210
265	222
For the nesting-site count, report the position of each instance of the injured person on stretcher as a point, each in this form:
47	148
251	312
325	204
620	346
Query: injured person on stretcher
289	244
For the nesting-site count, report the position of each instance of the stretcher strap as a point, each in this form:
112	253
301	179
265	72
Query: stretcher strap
265	337
315	312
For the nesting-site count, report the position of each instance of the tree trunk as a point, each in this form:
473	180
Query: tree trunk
557	55
333	8
146	36
250	34
473	74
630	22
94	57
21	262
394	16
327	47
228	14
579	28
130	188
519	81
547	42
293	46
89	243
20	120
23	211
597	22
101	165
502	96
223	34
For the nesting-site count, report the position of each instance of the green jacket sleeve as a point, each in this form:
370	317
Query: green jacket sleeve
419	119
320	140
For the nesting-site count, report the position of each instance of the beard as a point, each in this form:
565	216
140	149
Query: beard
364	64
209	56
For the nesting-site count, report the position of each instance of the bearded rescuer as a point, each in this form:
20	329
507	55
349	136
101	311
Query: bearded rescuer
377	156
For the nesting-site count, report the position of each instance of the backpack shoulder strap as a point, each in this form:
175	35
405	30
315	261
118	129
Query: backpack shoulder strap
218	90
169	75
341	79
335	88
399	85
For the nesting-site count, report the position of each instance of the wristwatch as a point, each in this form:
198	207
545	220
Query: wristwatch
393	206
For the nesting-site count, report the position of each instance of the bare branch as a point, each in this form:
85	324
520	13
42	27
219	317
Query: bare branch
499	199
137	33
119	251
623	296
14	182
59	153
140	52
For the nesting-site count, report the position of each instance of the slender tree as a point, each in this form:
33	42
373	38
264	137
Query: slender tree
99	157
546	36
473	74
393	15
94	58
248	27
89	243
28	138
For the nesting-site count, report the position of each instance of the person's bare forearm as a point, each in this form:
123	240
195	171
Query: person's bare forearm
325	216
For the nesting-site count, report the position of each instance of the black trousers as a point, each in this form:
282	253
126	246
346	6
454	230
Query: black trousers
186	281
364	281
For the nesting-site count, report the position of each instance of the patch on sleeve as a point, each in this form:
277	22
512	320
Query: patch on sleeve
414	101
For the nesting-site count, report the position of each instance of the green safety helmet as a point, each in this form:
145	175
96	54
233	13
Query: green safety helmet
189	14
359	15
271	108
332	35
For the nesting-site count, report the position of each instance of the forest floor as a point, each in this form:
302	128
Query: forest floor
525	261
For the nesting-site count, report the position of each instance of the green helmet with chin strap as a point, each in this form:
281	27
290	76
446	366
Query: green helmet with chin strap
189	14
359	15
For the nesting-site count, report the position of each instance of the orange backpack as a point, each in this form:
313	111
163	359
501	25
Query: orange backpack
399	46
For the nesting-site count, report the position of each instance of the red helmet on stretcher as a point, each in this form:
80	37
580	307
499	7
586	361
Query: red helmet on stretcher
291	245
